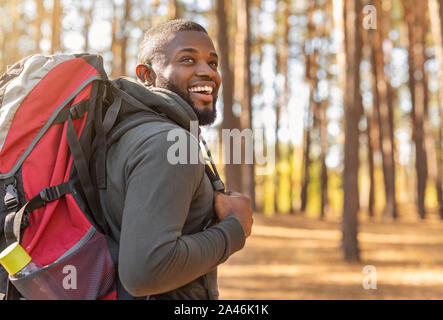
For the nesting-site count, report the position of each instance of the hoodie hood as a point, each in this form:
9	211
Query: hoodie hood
160	100
169	104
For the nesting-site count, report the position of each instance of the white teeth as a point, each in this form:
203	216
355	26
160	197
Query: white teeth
207	89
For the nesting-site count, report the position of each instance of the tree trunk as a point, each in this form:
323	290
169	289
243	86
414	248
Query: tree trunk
322	127
56	26
278	108
124	30
286	94
291	161
156	18
87	16
436	16
261	179
440	140
38	24
243	91
230	121
115	44
173	10
11	43
2	48
370	139
351	24
305	172
5	36
415	18
311	79
382	108
324	169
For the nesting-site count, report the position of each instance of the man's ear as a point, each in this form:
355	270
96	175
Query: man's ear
146	74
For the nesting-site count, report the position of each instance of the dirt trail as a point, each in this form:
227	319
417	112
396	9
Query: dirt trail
290	257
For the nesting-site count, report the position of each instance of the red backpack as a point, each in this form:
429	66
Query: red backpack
58	116
52	127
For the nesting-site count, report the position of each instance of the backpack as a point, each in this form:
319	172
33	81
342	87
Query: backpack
58	116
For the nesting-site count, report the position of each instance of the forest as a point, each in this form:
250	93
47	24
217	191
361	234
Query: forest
345	100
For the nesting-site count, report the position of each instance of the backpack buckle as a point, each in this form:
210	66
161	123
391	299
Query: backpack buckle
50	194
55	192
44	195
75	113
11	197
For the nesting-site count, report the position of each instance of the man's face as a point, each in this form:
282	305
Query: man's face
190	70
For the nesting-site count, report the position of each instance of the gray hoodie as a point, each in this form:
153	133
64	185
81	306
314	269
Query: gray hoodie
157	211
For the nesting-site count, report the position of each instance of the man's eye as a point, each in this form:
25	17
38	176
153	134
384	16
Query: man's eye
213	64
188	60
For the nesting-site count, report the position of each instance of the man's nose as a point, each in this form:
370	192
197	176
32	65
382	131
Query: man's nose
204	70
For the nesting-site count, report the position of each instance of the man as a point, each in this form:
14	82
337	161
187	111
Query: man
158	211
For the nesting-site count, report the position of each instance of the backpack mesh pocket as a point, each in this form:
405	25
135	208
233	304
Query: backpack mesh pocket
85	272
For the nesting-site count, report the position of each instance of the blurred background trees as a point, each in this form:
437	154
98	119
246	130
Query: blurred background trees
346	94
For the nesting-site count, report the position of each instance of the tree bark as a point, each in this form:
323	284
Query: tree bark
305	172
278	107
286	94
124	30
38	24
56	26
415	18
230	121
351	12
115	44
311	79
384	119
323	135
87	16
436	16
324	169
173	10
155	16
372	133
11	44
371	198
2	48
243	90
371	128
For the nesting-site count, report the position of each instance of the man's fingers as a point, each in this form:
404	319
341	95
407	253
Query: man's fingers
218	194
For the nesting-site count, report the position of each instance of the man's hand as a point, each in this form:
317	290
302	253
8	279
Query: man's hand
234	204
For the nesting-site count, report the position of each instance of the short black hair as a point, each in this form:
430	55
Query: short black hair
156	37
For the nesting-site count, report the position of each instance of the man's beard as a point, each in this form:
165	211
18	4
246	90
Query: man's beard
205	116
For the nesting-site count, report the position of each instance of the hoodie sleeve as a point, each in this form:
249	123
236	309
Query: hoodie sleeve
155	256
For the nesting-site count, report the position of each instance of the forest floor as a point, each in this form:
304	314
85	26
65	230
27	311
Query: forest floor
293	258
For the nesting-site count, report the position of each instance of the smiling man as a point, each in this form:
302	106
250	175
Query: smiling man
160	213
184	62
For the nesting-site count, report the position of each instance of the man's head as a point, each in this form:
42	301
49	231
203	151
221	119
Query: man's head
179	56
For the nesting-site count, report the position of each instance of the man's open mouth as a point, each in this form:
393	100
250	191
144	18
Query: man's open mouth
207	90
201	94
